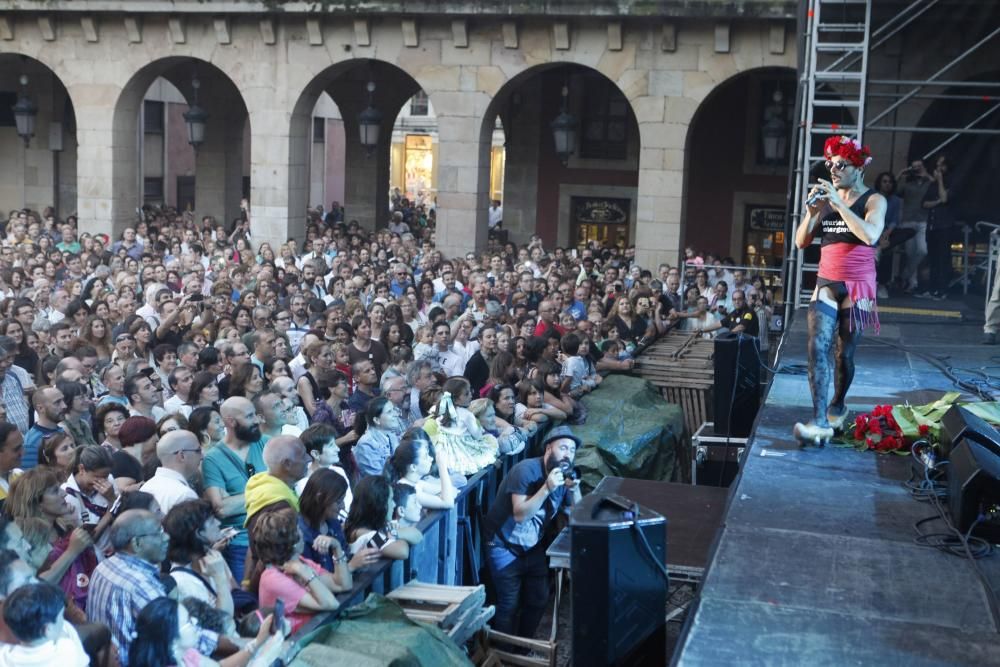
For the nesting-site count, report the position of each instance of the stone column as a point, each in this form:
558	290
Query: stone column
219	167
463	170
663	116
522	127
108	174
236	148
28	174
210	170
366	175
279	177
366	178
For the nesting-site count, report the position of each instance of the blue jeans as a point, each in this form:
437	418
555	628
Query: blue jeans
235	556
520	582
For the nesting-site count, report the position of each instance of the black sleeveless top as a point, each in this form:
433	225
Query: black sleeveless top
833	229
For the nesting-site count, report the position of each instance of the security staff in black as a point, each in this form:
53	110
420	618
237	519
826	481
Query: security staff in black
742	318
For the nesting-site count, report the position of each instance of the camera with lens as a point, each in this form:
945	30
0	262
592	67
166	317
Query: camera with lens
569	471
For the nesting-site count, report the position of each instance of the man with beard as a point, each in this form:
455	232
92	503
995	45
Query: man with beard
299	324
226	471
530	496
848	217
50	408
180	456
312	281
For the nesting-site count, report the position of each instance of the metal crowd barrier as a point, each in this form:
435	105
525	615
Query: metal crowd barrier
452	548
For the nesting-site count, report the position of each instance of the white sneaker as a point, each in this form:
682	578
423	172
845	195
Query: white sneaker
883	292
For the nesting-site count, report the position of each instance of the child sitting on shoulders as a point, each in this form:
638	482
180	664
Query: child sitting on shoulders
457	432
423	347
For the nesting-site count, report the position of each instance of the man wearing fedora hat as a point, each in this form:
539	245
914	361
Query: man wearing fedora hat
530	497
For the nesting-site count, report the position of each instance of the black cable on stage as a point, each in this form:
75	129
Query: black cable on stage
645	543
957	543
946	369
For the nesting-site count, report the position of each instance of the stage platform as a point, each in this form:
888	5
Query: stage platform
815	563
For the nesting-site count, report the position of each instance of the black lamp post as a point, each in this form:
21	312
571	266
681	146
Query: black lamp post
370	122
195	118
564	131
24	113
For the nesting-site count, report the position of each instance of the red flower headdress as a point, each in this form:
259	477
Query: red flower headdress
849	149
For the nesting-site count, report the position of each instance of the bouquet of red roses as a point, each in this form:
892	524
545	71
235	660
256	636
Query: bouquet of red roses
879	430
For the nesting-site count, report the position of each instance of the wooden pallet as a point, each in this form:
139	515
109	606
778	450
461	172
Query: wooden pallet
496	649
458	610
682	366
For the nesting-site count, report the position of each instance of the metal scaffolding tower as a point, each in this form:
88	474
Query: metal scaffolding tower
834	77
836	39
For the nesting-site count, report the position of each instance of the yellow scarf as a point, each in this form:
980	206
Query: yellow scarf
264	489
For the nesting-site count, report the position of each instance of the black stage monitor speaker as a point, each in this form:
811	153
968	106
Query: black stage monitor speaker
974	488
619	594
737	384
959	423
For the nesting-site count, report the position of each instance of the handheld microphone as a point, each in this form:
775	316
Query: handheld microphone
815	199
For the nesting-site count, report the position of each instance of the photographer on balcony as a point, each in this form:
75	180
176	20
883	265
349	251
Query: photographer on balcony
530	497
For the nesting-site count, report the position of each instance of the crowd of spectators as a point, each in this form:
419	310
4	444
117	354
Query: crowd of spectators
195	425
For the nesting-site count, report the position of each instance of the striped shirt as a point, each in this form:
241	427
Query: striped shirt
121	587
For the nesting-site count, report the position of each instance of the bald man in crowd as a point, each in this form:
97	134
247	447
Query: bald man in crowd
180	466
226	470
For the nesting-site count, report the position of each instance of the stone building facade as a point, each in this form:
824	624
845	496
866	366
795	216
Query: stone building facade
91	62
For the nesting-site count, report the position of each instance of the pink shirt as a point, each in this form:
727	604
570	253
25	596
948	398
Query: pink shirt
276	584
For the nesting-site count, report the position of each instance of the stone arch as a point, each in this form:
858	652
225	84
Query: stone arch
526	105
43	172
220	158
366	180
725	172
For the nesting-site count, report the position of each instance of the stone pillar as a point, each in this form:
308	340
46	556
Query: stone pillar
663	125
366	178
108	179
463	171
279	176
219	167
210	169
236	148
522	126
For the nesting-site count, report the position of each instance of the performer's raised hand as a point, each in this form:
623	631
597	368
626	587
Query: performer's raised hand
829	193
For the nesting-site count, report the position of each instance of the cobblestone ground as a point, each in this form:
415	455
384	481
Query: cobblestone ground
677	597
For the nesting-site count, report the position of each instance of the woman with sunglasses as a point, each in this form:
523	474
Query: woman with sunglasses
849	218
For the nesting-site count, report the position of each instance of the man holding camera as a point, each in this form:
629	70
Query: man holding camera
913	184
530	497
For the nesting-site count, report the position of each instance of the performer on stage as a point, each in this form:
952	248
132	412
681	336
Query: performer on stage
848	217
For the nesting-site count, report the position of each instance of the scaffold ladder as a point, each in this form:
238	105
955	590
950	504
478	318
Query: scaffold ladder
832	89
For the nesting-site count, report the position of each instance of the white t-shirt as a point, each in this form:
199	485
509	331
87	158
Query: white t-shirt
169	488
66	651
174	404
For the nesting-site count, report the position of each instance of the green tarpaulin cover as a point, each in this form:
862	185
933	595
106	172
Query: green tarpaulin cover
377	633
631	431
